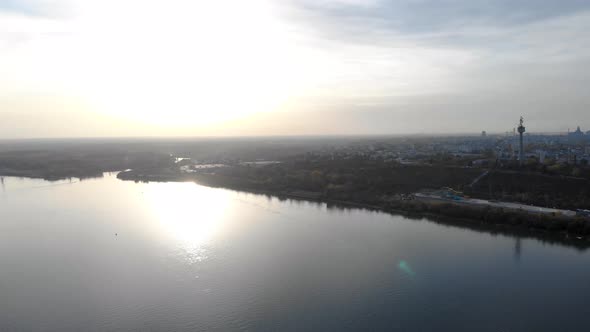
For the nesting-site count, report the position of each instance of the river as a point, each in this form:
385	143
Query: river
110	255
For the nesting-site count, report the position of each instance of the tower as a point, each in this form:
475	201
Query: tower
521	131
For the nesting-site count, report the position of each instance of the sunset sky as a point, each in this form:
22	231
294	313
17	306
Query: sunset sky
80	68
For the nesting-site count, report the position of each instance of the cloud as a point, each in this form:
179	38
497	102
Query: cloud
43	8
463	59
363	66
17	6
423	16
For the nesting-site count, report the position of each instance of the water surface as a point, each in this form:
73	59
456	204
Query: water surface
104	254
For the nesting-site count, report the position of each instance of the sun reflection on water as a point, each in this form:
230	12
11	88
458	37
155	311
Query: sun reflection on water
193	216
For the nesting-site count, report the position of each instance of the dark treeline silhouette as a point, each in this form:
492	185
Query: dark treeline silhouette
375	184
533	188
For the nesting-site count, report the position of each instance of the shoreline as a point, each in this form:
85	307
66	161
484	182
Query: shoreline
550	229
459	216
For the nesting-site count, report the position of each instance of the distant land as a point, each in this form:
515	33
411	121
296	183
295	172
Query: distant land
382	172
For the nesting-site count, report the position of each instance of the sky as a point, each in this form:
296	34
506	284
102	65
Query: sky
85	68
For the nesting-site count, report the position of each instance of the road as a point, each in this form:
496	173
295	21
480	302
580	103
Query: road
496	204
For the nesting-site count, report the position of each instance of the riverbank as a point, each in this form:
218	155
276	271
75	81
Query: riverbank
556	226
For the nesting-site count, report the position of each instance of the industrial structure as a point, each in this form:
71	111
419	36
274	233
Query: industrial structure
521	131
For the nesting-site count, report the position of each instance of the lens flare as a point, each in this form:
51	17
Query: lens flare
405	267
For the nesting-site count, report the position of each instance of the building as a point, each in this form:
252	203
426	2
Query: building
576	136
521	130
542	155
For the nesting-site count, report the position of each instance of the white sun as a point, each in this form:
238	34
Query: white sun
179	62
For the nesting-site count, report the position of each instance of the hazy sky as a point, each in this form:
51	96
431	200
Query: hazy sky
289	67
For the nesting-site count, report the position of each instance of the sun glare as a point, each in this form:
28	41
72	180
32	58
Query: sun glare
185	63
187	212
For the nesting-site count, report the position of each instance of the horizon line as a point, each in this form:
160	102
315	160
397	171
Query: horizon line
456	134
